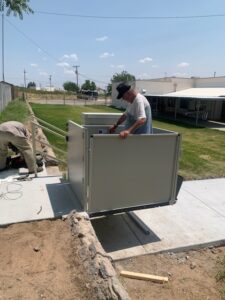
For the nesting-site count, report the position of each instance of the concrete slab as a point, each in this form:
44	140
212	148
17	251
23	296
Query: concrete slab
197	219
210	192
117	237
39	198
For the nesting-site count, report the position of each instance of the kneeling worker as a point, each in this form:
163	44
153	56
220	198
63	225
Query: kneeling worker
14	135
138	114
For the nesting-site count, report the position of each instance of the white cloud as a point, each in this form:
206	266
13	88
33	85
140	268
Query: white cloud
34	65
65	56
72	56
181	75
145	60
106	55
143	76
117	66
120	66
69	72
102	38
43	73
183	65
63	64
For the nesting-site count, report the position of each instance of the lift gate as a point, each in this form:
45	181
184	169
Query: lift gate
109	174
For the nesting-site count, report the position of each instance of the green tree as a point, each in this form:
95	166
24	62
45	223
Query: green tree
88	85
93	86
123	76
31	85
17	7
109	88
70	86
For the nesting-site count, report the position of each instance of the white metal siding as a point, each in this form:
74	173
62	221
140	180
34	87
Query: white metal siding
5	95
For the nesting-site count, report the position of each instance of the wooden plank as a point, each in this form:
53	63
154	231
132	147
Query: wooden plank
142	276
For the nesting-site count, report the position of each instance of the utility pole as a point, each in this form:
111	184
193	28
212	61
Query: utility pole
50	82
25	84
3	58
214	74
24	77
76	72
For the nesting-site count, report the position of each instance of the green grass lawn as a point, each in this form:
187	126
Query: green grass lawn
16	110
58	115
202	150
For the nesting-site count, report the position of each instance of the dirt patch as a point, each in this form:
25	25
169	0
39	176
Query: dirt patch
56	260
38	261
192	275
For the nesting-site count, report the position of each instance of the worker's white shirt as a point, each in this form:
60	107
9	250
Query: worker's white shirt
137	108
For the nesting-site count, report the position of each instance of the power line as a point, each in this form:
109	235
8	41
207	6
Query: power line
76	72
132	17
51	56
35	43
32	41
87	77
24	78
50	83
3	49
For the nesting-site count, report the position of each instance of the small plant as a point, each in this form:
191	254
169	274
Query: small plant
221	273
222	293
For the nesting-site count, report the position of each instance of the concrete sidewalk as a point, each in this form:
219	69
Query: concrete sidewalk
196	220
44	197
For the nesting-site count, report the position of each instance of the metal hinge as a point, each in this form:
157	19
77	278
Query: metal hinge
87	192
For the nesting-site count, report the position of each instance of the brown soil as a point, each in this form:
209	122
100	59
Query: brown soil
192	275
38	260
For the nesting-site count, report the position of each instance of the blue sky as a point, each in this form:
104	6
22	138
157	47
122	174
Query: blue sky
45	43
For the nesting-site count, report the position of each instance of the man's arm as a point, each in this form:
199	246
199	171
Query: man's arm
120	121
140	116
3	156
138	123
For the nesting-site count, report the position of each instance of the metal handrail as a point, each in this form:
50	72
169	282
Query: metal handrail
52	126
34	140
49	130
58	159
52	146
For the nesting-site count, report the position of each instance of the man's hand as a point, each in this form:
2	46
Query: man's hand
124	134
112	129
13	148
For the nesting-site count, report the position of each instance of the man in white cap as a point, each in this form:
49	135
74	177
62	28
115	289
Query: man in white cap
14	135
138	114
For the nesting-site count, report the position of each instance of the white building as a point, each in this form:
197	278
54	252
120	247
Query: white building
199	98
49	88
